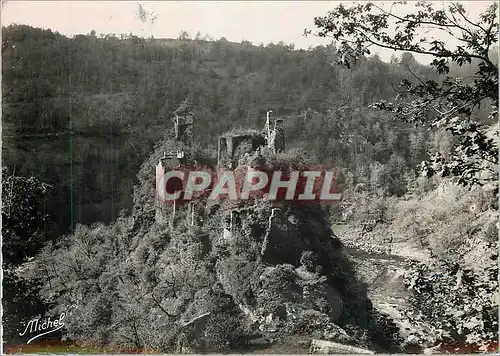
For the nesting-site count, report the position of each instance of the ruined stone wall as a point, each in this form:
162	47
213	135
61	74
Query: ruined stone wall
276	137
160	211
242	145
232	148
224	147
279	136
183	128
171	160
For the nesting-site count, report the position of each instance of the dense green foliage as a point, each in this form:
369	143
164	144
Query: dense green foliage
459	304
24	221
82	113
23	217
450	293
450	102
143	284
452	234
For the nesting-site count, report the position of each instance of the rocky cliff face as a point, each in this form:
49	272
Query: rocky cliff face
279	266
275	273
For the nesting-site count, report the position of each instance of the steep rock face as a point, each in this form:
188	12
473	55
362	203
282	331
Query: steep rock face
255	250
305	292
198	284
289	274
288	301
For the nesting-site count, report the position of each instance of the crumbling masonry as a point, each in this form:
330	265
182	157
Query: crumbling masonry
232	146
183	133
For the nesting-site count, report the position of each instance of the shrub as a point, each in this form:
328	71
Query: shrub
309	260
459	304
223	331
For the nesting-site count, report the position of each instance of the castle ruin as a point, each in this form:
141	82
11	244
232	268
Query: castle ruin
183	119
232	146
235	144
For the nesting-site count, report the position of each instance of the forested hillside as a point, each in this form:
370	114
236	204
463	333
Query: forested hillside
87	119
82	113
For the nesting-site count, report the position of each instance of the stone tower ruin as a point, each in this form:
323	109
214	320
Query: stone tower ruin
276	137
183	119
233	145
183	124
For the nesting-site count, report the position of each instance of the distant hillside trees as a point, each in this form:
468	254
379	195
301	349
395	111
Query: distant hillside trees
449	102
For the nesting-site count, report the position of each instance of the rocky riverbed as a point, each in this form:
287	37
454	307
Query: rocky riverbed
382	268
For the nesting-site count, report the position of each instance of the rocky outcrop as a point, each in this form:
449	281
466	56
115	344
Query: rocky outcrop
306	304
272	268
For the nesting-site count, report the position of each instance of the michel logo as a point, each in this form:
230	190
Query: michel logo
40	327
